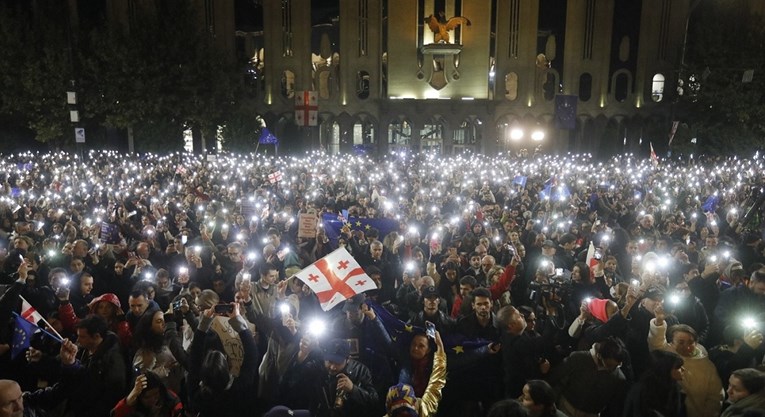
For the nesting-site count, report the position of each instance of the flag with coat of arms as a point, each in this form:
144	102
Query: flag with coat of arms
306	108
335	278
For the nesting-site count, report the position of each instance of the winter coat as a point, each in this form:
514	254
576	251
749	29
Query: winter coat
702	385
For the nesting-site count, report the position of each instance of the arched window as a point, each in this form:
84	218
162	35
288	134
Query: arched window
585	87
324	89
657	88
399	133
511	86
288	84
362	84
363	133
621	89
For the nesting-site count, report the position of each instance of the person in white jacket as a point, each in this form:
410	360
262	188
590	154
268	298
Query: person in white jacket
702	385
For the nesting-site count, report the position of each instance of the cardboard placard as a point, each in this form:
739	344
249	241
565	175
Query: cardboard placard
307	224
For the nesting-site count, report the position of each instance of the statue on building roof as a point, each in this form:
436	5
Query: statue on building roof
441	27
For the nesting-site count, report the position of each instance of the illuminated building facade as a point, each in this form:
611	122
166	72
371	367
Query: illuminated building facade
589	75
384	84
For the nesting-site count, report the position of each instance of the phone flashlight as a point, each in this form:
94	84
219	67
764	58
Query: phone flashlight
748	323
284	308
317	327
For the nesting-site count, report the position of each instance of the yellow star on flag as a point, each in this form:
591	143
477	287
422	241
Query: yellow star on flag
458	349
408	328
358	223
367	227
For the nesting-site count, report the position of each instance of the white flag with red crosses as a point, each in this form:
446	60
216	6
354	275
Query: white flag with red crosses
336	277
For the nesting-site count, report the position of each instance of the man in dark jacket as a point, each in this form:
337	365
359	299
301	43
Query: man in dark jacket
95	381
346	385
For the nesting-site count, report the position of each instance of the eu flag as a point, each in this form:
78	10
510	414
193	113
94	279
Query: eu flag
22	335
565	111
267	138
520	180
711	204
333	223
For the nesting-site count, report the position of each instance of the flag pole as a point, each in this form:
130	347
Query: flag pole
57	337
44	321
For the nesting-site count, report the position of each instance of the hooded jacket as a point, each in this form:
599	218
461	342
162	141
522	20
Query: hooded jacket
702	385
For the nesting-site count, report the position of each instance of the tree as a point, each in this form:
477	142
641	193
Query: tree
163	71
35	68
724	113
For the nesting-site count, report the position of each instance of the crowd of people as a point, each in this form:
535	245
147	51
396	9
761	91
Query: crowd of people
537	286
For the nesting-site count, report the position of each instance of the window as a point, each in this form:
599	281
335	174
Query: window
465	134
399	133
363	134
288	84
511	86
585	87
657	88
362	85
621	89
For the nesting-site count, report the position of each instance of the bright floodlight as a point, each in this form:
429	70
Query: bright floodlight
516	134
538	135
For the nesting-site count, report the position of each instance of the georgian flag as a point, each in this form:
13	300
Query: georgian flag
275	177
335	278
654	158
29	313
306	108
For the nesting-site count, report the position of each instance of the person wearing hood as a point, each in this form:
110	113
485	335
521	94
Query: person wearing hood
733	275
108	307
702	385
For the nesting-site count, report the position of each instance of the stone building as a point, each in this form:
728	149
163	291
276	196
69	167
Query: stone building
384	82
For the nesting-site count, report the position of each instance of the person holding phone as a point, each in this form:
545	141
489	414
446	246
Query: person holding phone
214	390
403	398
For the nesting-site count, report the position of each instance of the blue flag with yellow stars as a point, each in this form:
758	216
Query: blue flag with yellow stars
333	223
22	335
267	138
401	334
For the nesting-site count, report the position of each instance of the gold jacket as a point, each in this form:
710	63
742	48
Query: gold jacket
428	404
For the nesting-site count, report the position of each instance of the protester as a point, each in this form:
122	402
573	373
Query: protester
131	235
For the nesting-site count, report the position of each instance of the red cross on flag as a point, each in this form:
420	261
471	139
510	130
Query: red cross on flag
336	277
275	177
306	108
29	313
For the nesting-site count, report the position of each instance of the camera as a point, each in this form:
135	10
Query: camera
224	309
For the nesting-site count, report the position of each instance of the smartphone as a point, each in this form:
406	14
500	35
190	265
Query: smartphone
184	239
282	253
598	254
224	309
430	330
559	272
176	305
